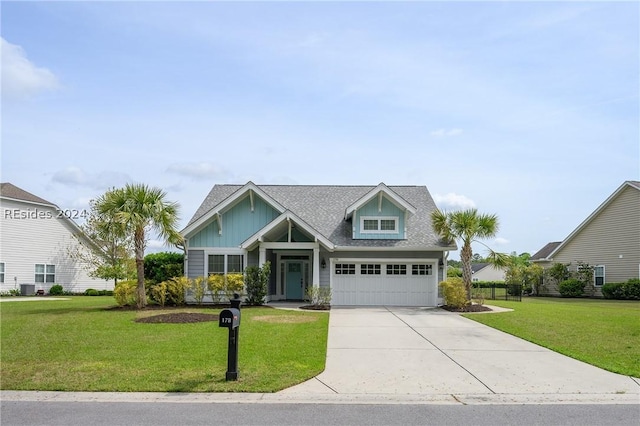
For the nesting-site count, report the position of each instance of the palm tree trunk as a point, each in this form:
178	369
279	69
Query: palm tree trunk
465	258
141	297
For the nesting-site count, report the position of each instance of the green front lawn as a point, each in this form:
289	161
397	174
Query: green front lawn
604	333
81	345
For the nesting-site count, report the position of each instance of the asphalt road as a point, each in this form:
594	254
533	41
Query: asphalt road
14	413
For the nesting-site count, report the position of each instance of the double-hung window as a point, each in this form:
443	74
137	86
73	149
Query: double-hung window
378	225
598	275
45	273
220	264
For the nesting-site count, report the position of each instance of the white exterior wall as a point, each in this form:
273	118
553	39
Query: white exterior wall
489	273
24	242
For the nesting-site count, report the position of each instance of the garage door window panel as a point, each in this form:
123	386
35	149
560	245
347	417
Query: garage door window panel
370	269
421	270
345	268
396	269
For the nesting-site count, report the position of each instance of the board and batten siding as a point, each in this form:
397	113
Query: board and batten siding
46	239
388	209
611	238
238	224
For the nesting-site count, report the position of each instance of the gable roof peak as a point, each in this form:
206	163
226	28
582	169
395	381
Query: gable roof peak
9	190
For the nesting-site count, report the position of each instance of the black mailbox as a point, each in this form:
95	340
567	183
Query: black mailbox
229	318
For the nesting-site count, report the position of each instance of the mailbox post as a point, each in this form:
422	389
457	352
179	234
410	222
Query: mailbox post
230	318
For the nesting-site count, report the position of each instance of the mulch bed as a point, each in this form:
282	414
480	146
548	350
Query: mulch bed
178	318
316	307
468	308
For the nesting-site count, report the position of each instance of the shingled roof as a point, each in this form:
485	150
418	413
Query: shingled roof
8	190
323	208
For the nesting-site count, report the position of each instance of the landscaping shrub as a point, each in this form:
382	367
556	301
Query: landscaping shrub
256	283
91	292
318	296
234	284
629	290
125	293
56	290
198	289
215	283
159	267
572	287
454	292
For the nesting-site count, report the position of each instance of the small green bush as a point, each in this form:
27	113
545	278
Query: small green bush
56	290
125	293
198	289
256	282
318	296
91	292
572	287
629	290
454	292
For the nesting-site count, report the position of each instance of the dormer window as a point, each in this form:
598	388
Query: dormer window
378	225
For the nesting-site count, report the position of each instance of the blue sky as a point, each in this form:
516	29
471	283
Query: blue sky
522	109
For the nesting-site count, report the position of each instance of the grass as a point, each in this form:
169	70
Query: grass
604	333
81	345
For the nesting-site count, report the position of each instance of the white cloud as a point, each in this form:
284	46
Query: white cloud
453	201
440	133
20	77
76	177
501	241
198	170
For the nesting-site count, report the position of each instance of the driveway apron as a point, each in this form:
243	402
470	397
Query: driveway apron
419	351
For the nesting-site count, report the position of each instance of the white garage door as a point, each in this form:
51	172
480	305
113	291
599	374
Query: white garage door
392	283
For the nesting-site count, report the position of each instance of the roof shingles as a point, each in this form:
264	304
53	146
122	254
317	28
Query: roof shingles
323	208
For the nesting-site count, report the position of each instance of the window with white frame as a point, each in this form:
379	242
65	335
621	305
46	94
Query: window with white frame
345	268
370	269
598	275
421	270
1	272
219	264
378	225
396	269
45	273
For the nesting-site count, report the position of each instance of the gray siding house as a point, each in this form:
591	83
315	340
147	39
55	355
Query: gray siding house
372	245
609	240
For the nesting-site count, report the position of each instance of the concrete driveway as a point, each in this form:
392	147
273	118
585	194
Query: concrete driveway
416	354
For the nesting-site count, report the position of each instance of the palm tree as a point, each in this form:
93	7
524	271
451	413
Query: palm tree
467	225
140	208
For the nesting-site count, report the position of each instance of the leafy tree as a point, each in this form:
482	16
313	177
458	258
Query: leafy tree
159	267
103	249
467	226
521	271
138	209
558	272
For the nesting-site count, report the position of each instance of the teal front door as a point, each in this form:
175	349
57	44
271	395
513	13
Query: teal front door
294	281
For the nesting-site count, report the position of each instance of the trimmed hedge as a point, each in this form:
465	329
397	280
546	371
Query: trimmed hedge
629	290
572	287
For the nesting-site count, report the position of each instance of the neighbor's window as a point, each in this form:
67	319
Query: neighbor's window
345	269
378	225
45	273
396	269
598	275
234	264
1	272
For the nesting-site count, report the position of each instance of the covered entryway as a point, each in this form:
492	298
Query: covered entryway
379	283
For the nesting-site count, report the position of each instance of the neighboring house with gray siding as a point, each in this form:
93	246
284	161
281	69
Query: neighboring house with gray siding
35	239
486	272
609	240
372	245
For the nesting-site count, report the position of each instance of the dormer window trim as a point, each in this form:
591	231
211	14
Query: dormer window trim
379	225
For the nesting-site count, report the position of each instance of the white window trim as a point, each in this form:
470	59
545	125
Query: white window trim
604	275
2	272
225	253
45	273
379	219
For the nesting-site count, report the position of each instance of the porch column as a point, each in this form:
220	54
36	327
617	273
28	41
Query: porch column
263	256
316	266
